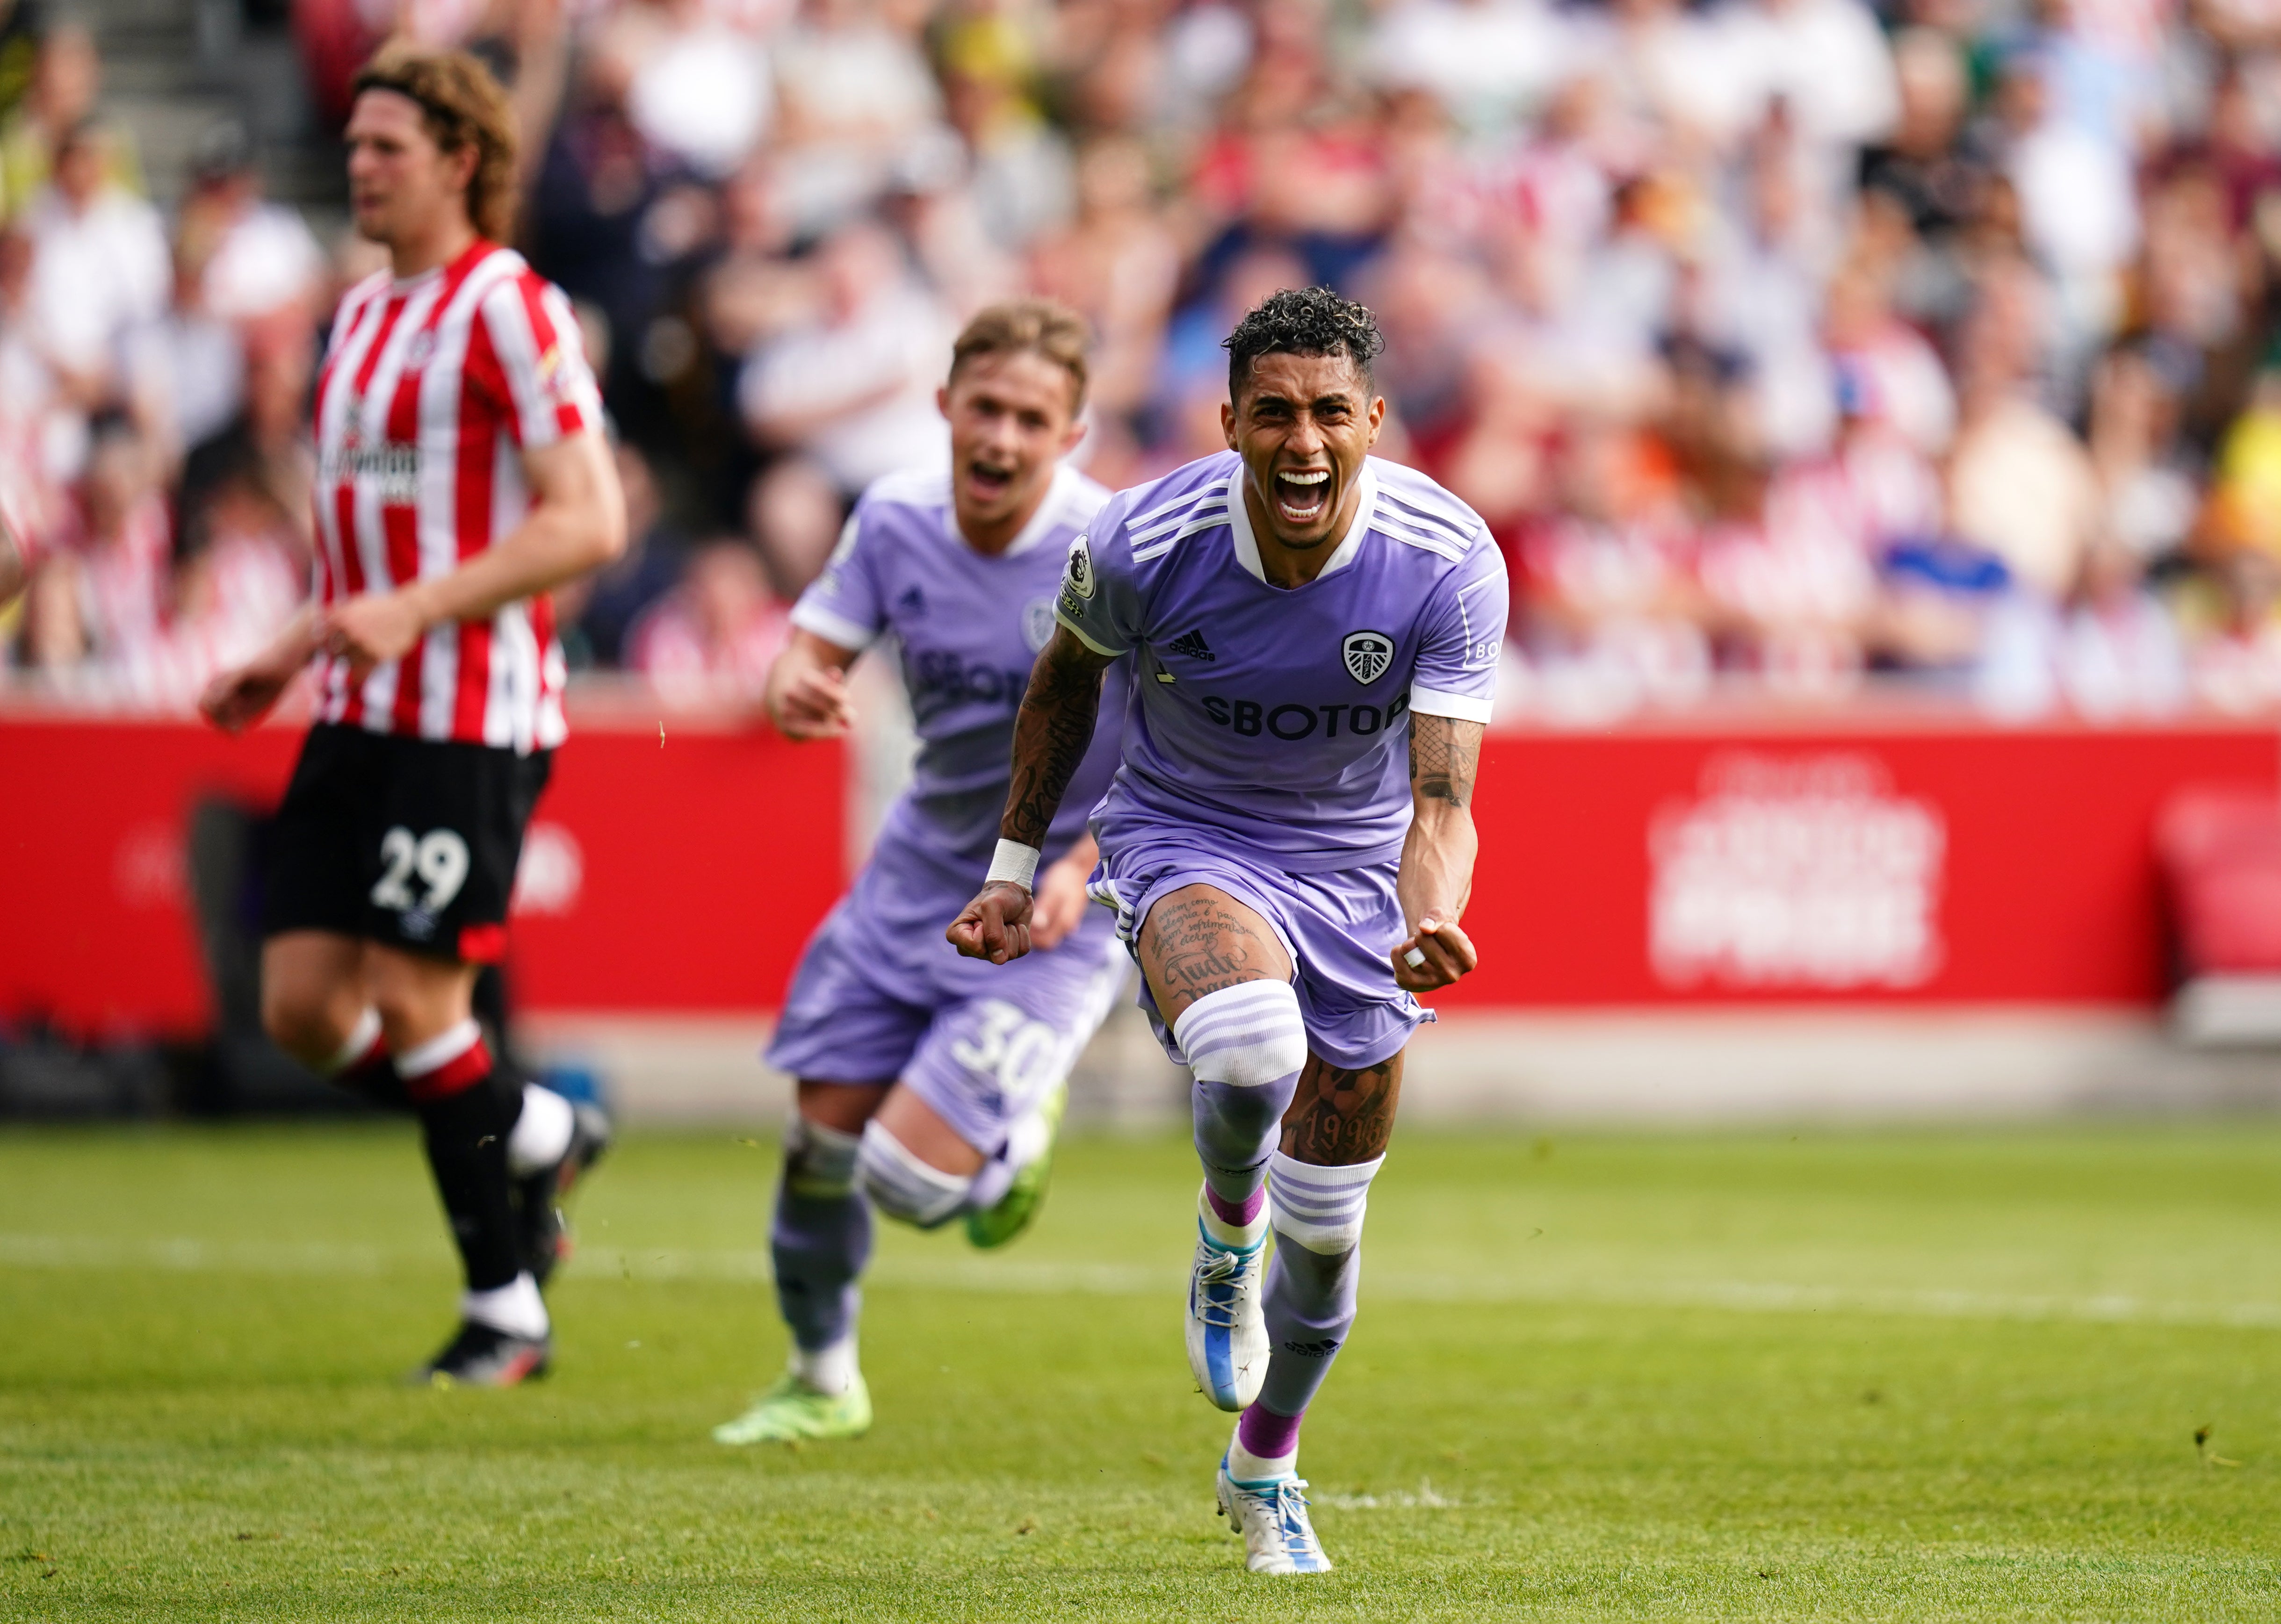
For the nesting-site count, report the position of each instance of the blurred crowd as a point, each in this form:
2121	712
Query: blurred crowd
1784	345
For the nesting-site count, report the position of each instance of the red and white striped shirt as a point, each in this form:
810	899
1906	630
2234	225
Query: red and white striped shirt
430	390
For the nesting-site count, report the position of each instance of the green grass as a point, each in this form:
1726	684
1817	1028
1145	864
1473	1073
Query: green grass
1922	1376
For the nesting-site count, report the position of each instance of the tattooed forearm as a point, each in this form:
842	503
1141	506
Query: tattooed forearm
1052	732
1445	754
1340	1117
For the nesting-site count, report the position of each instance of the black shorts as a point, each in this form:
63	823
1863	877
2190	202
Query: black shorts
408	841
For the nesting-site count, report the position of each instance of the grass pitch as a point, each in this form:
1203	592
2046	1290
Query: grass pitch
1919	1376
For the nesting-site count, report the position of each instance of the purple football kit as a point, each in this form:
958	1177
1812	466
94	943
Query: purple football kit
880	994
1267	732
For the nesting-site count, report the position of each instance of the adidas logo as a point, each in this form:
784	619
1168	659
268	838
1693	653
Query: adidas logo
1191	645
913	601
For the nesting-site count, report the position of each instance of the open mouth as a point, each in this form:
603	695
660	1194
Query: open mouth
1302	497
987	482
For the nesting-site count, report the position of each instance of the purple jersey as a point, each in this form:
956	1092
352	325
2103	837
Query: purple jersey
1278	721
968	628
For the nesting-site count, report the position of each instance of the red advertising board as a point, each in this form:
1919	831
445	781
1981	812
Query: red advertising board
1936	860
666	870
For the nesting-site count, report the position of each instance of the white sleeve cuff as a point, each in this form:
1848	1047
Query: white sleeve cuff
811	616
1085	637
1435	702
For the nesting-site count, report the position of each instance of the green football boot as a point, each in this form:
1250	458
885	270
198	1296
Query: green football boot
1013	1211
792	1411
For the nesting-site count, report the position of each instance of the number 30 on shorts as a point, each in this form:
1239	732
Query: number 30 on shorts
1024	1055
439	859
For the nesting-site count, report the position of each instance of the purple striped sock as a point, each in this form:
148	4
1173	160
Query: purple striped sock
1245	1212
1267	1434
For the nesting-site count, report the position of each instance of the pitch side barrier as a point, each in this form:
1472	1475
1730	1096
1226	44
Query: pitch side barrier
1737	858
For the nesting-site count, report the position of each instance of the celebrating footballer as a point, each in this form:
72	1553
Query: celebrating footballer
930	1087
1313	636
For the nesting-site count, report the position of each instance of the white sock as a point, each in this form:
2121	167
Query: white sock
515	1308
541	1135
830	1371
1243	1237
1246	1467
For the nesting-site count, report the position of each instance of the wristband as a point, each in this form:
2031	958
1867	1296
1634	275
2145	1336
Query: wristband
1016	862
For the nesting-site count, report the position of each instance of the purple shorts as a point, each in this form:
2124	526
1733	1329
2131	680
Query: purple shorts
1338	928
880	996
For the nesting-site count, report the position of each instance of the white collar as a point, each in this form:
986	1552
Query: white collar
1247	545
1041	522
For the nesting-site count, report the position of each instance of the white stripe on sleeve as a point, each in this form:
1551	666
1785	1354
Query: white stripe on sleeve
1464	707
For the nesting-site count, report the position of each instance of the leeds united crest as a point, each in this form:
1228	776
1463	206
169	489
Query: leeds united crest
1367	655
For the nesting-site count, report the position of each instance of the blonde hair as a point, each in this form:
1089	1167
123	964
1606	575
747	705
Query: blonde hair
1040	327
463	107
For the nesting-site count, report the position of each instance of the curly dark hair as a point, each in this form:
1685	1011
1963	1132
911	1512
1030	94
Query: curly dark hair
1303	321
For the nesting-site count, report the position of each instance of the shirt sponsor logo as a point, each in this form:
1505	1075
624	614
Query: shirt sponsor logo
940	674
1368	656
1807	871
1293	722
390	468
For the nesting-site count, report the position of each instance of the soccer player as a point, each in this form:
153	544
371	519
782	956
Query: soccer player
1288	841
929	1088
461	473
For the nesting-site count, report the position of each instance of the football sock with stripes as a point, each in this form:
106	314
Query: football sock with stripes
820	1241
464	1120
364	1068
1266	1446
1309	1303
1247	1045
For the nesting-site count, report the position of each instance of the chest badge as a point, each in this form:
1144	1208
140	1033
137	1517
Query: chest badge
1038	623
420	351
1367	655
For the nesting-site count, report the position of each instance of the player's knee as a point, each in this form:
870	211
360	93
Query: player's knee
300	1020
902	1186
819	1161
1319	1210
1249	1035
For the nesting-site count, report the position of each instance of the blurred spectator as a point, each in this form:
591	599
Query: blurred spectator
2021	483
1781	341
2235	664
100	269
1489	62
597	611
2149	493
259	259
2108	650
66	76
1118	265
713	637
858	101
850	387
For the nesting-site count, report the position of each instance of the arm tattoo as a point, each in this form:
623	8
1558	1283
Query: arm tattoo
1052	732
1340	1117
1445	754
1196	944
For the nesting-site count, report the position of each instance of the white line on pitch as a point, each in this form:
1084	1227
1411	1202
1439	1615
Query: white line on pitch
183	1254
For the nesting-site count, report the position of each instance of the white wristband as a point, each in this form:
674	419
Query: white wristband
1014	861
